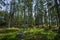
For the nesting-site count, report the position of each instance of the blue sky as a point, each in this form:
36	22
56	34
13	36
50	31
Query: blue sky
4	7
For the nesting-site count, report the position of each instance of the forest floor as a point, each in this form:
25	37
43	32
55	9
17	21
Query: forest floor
30	34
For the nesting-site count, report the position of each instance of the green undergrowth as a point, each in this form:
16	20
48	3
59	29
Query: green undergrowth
30	34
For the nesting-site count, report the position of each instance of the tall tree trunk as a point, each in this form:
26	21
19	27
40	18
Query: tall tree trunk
57	8
9	24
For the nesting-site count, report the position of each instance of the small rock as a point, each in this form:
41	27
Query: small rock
21	36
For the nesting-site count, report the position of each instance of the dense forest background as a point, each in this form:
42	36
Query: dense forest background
28	13
31	14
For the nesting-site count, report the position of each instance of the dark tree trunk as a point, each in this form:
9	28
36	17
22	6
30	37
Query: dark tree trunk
58	12
57	8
